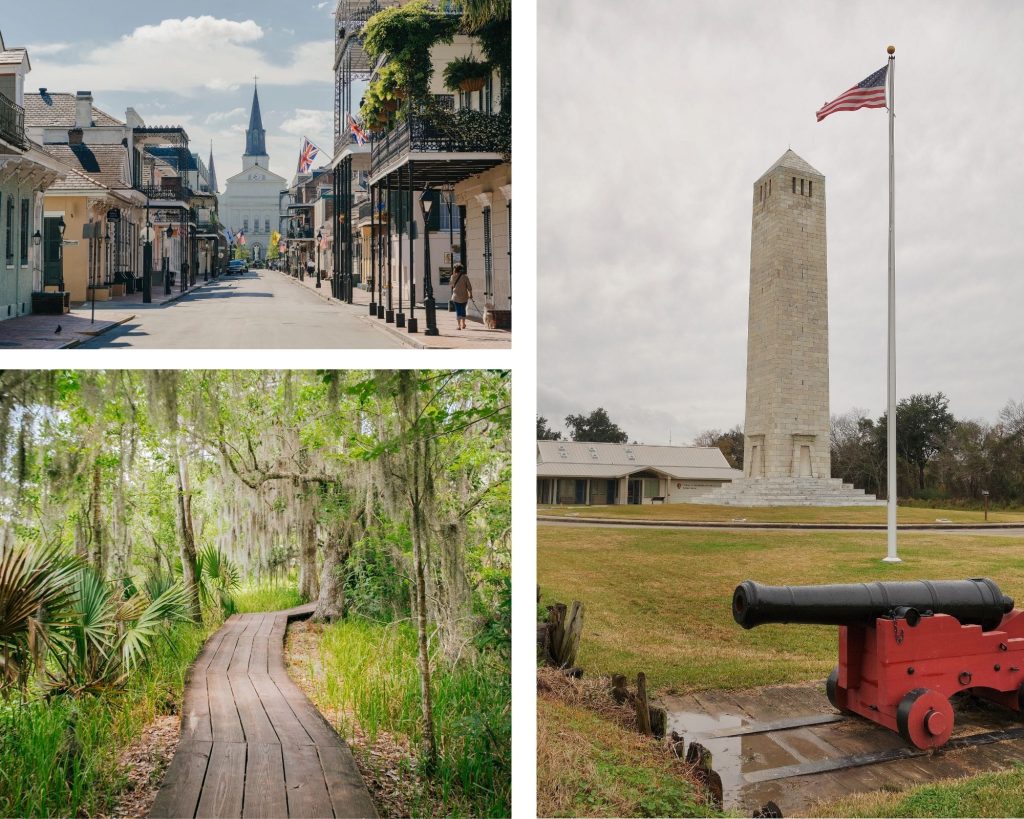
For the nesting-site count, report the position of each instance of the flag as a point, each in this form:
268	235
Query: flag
358	133
228	235
241	237
868	93
307	155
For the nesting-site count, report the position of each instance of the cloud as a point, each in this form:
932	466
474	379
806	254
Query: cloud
223	116
43	49
206	52
306	121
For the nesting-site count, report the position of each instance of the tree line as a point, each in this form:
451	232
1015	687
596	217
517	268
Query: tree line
939	456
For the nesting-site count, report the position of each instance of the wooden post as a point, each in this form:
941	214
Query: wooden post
643	713
619	692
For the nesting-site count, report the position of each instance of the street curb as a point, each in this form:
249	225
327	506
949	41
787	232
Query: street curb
79	341
834	527
365	318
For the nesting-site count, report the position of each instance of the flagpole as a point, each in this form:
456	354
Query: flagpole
891	556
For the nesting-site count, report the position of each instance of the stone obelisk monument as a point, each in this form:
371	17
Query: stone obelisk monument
786	459
786	432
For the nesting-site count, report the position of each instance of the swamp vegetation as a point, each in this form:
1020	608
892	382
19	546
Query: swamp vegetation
141	508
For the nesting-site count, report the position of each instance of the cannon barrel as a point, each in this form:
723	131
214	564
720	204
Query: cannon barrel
977	601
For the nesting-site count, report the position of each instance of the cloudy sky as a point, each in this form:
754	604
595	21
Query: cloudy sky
655	119
192	63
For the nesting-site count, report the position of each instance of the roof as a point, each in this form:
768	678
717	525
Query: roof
793	162
13	56
255	136
57	110
77	181
107	164
172	156
582	459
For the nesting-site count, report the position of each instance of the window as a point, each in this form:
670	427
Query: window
444	222
266	227
794	184
24	232
9	243
487	95
809	184
465	100
245	224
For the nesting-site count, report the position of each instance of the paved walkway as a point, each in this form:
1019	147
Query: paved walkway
996	529
252	744
475	336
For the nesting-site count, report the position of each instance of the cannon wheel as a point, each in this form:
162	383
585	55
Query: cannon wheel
831	684
925	718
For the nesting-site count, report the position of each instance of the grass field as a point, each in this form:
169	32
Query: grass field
780	514
659	601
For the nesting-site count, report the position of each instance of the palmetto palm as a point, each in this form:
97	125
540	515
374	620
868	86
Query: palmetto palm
105	635
35	592
219	577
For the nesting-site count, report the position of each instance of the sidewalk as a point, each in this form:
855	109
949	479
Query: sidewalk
39	331
475	336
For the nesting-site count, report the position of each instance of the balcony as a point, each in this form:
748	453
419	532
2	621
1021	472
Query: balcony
12	123
444	132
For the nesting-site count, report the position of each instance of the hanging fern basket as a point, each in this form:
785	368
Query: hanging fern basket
472	84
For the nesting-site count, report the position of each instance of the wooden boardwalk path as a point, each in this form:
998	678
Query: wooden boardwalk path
252	744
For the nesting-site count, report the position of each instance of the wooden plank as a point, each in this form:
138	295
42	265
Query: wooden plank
261	646
255	723
345	785
265	796
195	711
183	783
279	712
225	782
243	648
224	721
305	783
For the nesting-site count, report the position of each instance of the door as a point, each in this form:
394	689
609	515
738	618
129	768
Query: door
635	494
805	462
53	253
581	492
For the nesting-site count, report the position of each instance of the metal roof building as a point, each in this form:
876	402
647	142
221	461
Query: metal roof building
600	473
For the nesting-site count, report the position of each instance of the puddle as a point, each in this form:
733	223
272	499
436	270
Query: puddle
726	752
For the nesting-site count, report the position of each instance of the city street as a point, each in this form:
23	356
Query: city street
259	310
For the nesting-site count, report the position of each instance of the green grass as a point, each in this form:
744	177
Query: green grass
660	601
589	766
370	671
781	514
267	597
59	757
991	794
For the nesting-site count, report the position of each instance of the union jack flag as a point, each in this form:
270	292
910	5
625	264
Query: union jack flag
307	155
358	133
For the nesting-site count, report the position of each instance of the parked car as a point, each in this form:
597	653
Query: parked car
238	266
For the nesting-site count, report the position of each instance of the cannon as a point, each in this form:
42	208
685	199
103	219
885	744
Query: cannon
905	648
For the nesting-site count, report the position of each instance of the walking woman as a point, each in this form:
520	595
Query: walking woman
462	292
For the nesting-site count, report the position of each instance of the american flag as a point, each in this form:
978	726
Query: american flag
868	93
307	155
240	237
357	132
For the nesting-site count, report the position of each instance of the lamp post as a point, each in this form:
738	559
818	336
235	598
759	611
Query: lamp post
319	239
426	202
984	494
147	262
61	226
167	259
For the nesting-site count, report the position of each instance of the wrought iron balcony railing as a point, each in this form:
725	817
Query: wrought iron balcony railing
444	132
12	122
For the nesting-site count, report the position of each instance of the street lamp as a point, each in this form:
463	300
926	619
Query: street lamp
167	261
319	239
147	262
984	493
428	286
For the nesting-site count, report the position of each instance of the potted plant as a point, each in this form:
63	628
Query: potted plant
466	74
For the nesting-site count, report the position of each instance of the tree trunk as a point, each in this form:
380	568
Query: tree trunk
421	631
309	585
188	542
98	555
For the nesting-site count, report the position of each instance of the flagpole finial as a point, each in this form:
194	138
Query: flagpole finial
891	49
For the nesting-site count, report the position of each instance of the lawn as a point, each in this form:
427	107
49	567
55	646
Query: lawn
780	514
659	601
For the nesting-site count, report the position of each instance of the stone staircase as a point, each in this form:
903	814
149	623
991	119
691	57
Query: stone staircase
788	492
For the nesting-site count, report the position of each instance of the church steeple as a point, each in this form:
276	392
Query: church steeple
255	136
213	171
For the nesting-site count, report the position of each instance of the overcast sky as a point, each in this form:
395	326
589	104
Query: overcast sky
192	63
655	119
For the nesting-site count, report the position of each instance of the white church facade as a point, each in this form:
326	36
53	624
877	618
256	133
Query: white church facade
251	203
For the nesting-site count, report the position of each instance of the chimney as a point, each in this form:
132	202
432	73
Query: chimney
83	109
75	136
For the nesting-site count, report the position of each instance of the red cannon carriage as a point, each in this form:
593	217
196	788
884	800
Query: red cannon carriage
905	648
